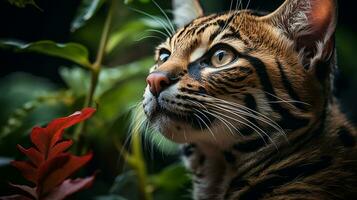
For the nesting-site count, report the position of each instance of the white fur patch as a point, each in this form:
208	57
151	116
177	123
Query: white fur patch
198	52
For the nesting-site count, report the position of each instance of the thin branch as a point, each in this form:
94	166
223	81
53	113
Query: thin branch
96	67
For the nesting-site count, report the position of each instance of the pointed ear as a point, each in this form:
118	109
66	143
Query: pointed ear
185	11
310	24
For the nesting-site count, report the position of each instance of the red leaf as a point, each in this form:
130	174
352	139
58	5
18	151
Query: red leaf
31	191
15	197
49	165
27	169
59	148
36	157
69	187
45	138
59	175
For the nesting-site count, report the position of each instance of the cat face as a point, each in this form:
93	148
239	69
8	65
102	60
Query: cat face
238	75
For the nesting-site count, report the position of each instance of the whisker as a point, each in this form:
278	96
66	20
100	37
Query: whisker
217	116
148	132
247	5
251	125
157	19
184	134
180	15
226	23
287	101
244	113
247	112
209	129
161	148
257	114
241	8
165	15
236	114
241	122
157	31
276	127
252	113
148	36
202	114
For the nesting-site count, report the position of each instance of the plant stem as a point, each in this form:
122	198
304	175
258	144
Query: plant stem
136	160
96	66
100	54
138	164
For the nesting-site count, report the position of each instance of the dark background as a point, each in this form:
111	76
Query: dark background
53	23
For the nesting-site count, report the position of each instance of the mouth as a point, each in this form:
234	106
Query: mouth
197	120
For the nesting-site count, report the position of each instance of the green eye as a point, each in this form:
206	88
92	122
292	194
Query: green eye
222	57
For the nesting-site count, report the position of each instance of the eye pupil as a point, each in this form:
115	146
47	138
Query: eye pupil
220	55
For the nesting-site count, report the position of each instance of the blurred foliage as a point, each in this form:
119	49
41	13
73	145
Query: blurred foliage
95	79
23	3
74	52
86	11
126	164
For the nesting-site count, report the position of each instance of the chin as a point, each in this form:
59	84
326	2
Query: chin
182	132
182	127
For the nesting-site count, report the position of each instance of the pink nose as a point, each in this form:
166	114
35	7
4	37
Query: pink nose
157	82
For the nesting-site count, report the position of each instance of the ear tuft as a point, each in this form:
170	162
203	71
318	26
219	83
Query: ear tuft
310	24
185	11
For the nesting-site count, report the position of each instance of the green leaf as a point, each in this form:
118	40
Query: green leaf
71	51
78	79
112	77
134	31
125	33
23	3
131	1
118	89
171	178
17	118
26	100
86	11
24	85
120	100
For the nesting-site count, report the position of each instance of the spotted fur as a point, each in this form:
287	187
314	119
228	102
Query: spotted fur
265	125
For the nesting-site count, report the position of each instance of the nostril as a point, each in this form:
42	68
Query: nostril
164	83
157	82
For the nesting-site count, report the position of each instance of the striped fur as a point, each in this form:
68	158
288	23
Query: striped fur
265	125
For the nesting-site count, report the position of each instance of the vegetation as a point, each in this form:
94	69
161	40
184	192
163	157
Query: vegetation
114	90
103	66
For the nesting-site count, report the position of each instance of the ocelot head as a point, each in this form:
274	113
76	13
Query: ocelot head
240	74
